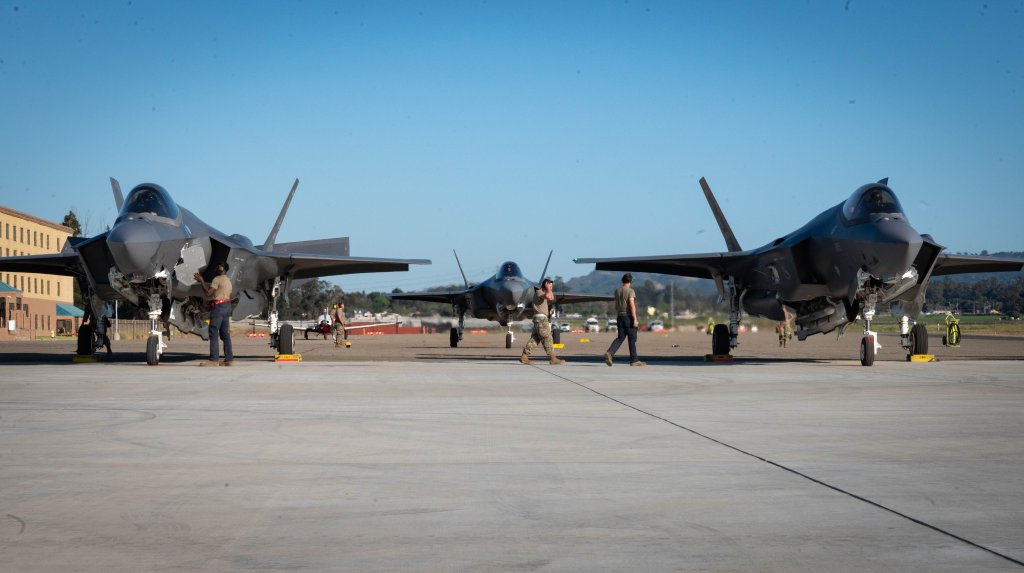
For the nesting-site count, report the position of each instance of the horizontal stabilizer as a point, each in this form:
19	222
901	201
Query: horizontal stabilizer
337	247
963	264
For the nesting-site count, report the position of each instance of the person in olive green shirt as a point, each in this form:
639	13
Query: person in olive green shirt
625	320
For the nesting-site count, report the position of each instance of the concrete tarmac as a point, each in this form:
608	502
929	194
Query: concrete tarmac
474	462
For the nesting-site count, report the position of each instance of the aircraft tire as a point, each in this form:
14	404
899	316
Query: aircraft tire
556	335
85	347
867	351
919	339
508	340
286	342
153	350
453	337
720	340
305	334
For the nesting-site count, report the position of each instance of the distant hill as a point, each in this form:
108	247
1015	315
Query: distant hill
605	282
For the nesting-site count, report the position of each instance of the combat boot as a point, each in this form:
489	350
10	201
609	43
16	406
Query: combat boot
555	360
525	359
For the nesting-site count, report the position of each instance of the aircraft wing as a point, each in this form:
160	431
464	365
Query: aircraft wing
702	266
961	264
570	298
304	266
447	297
60	264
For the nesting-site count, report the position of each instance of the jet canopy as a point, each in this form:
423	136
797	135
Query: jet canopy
509	269
149	198
870	202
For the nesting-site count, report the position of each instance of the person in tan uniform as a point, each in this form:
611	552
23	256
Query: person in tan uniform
339	322
541	325
625	320
219	293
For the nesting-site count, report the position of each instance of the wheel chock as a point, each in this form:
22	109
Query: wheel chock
584	340
78	358
718	358
559	345
920	358
287	358
348	344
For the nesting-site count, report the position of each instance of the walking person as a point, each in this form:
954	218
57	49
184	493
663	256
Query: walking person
625	320
219	293
541	325
339	322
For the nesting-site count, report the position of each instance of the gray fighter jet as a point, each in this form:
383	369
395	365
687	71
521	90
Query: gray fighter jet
504	298
844	263
154	248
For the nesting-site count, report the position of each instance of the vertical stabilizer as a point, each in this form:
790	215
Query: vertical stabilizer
730	238
118	197
460	268
268	245
545	271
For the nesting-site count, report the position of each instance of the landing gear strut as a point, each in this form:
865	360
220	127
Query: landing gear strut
455	334
869	345
155	345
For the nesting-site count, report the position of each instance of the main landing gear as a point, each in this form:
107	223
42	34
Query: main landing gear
455	334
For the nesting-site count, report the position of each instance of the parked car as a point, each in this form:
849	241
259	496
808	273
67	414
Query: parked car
613	326
591	325
655	325
564	327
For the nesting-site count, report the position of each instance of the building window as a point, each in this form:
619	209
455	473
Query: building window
22	234
34	237
47	242
58	289
7	227
47	288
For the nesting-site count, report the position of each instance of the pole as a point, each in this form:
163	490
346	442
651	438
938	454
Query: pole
672	305
117	325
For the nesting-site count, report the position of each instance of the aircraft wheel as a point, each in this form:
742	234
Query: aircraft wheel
867	351
556	335
85	347
720	340
919	339
153	350
508	340
286	340
453	337
306	334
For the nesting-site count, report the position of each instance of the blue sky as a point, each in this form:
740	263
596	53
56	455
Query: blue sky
506	129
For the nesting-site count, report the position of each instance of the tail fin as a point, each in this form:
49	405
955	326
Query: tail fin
730	238
545	271
460	268
268	245
118	197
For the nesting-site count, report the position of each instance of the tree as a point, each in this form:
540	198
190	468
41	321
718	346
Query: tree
71	220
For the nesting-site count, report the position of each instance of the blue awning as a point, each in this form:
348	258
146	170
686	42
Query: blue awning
69	310
4	287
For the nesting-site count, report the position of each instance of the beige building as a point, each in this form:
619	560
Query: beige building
30	300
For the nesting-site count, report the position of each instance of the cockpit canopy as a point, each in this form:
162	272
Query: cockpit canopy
509	269
149	198
872	202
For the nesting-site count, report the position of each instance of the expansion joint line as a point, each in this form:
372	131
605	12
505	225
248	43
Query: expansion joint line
791	470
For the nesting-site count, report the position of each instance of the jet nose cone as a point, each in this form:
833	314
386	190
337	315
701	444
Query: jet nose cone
134	245
896	246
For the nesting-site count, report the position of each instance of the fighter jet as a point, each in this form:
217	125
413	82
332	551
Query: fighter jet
504	298
845	263
150	254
